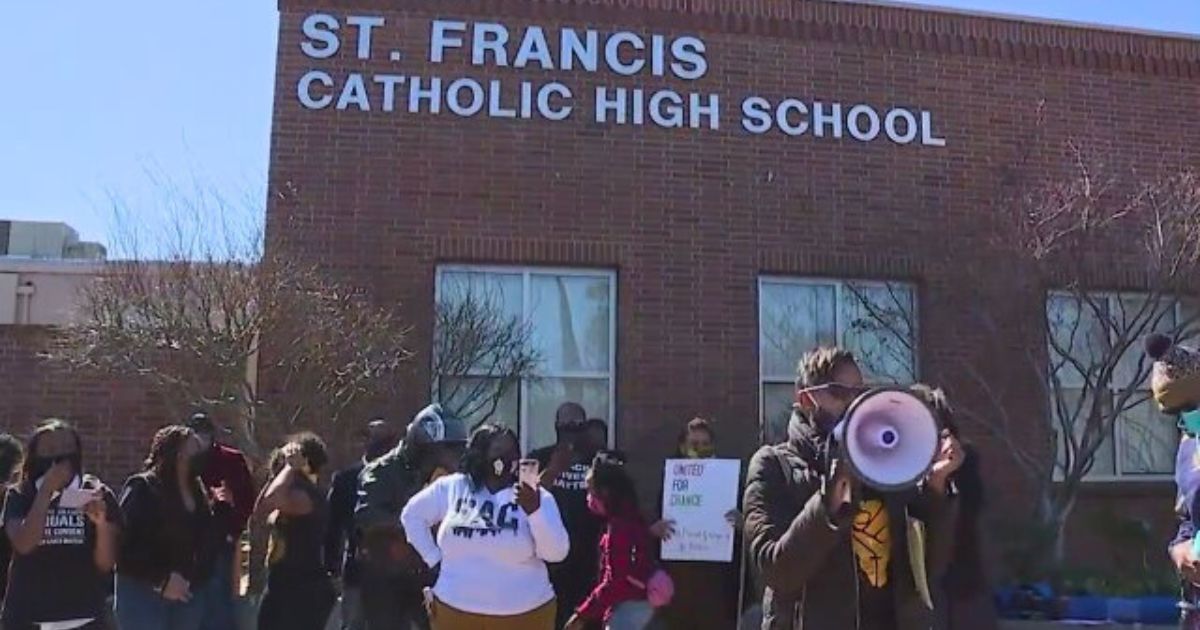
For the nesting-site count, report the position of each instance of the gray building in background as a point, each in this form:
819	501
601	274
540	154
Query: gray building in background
46	240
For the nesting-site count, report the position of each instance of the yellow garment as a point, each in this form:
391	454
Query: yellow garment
872	542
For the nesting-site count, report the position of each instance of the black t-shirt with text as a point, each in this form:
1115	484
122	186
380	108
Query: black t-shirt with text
59	580
570	492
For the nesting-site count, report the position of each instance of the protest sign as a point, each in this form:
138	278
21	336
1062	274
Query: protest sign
697	494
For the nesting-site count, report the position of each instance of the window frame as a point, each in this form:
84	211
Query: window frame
839	286
1111	298
527	272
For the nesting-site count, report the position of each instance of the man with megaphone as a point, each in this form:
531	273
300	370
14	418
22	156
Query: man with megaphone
850	520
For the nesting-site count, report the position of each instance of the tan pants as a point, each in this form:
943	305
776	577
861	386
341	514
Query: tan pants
447	618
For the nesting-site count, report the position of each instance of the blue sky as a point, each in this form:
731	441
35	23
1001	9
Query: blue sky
103	98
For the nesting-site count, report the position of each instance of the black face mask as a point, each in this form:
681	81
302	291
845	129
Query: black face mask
39	466
198	463
378	448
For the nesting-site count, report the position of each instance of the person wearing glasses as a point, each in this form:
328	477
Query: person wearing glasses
832	553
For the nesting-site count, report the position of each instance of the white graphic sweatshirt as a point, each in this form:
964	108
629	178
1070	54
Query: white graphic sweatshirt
493	555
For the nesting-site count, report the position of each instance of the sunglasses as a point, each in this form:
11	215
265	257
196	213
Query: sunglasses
841	390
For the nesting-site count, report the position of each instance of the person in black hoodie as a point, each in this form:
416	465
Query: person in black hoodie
171	538
62	524
341	536
564	473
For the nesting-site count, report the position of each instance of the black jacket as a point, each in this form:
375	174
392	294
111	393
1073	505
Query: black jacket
341	536
159	537
805	558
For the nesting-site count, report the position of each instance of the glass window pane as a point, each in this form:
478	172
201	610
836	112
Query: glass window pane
777	410
877	325
1148	439
1078	340
474	310
1137	317
475	400
546	394
1076	411
793	319
502	290
571	317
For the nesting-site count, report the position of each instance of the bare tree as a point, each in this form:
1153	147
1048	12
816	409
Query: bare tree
480	352
203	314
1063	238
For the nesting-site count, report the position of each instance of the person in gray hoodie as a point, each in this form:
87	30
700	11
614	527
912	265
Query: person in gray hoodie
834	554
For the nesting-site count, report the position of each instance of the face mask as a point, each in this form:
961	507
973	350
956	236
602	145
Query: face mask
698	453
1189	422
595	505
378	448
198	463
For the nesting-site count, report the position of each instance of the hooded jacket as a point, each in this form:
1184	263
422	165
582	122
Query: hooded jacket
805	558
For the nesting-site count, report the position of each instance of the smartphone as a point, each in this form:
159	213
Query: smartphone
75	498
527	472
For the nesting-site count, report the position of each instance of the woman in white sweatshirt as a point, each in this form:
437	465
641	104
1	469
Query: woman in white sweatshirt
493	542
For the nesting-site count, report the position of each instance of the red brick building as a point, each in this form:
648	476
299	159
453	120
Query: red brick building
681	195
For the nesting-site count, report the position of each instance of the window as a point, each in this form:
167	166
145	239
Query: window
571	319
876	320
1086	333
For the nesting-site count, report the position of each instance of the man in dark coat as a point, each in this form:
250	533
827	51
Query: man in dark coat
833	554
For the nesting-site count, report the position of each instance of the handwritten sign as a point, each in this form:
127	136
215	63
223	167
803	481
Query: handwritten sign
697	494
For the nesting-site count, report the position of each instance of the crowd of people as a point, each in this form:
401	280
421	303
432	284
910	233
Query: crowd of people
437	525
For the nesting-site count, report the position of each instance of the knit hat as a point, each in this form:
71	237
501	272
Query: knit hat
1175	377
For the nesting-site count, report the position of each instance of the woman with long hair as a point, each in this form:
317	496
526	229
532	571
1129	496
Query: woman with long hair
626	551
299	594
493	542
171	538
61	524
962	597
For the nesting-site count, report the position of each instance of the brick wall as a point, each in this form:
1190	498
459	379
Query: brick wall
115	418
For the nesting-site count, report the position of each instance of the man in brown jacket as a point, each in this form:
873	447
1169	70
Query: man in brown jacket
836	555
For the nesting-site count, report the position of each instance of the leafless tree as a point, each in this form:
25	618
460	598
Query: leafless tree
480	352
198	312
1063	238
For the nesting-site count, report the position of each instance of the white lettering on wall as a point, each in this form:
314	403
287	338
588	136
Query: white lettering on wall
381	85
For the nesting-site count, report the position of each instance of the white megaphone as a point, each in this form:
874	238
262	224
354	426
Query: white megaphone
889	438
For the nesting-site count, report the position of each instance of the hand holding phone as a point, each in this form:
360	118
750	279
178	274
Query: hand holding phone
528	473
75	498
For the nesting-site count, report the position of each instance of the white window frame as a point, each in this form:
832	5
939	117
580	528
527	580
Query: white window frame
839	285
526	272
1117	477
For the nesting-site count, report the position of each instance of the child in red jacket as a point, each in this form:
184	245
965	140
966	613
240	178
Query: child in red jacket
626	563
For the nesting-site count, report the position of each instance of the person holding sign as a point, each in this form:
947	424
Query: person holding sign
834	555
699	581
62	525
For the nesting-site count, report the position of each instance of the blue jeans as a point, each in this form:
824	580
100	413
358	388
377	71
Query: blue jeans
139	607
218	593
630	615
